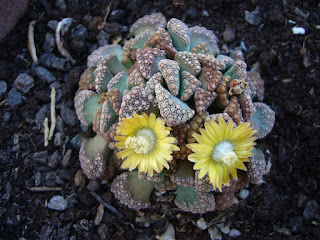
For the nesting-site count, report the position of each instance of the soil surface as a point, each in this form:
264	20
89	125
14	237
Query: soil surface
284	207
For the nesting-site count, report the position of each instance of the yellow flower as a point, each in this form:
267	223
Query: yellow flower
221	150
145	143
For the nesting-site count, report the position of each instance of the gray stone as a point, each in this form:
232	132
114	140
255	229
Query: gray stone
52	24
80	32
37	180
229	35
49	60
77	140
68	115
117	15
7	194
93	185
58	138
3	88
54	159
61	4
59	124
45	74
14	98
6	116
103	38
254	17
49	42
244	193
24	82
51	175
40	157
66	158
311	210
41	115
58	203
234	233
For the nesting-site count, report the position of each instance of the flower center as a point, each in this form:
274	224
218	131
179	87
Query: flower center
223	153
143	142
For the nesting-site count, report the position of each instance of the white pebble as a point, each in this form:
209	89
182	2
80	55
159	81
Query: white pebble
214	233
205	13
298	30
202	224
225	229
169	234
244	193
58	203
234	233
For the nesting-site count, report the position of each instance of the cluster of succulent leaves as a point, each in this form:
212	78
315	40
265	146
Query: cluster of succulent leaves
177	73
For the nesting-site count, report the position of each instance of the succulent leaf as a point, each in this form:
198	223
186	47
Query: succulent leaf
102	52
263	119
86	103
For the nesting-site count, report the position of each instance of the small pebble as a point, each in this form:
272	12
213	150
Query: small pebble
66	158
58	138
254	17
117	15
103	232
24	82
37	180
311	210
61	5
103	38
99	215
229	35
68	115
49	60
3	88
52	24
80	178
45	74
202	224
225	229
14	98
93	185
40	157
298	30
6	116
244	193
41	115
205	13
169	233
54	159
50	175
49	42
58	203
76	141
234	233
214	233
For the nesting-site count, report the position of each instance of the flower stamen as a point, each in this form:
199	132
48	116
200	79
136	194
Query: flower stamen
143	142
223	153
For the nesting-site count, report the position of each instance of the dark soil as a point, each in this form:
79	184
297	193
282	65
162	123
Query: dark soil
284	207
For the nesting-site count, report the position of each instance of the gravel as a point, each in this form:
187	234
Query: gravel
68	115
58	203
45	75
24	82
3	88
14	98
50	60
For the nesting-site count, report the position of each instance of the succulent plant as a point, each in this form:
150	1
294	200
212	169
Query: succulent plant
172	114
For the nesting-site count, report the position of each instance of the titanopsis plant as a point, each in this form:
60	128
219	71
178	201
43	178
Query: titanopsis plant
173	114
